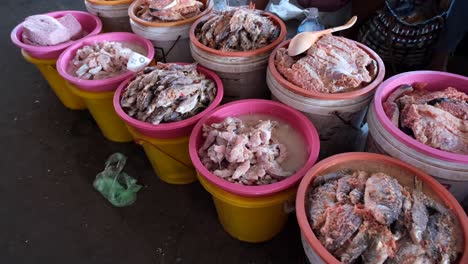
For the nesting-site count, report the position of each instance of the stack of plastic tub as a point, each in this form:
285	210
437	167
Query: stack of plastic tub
45	57
166	144
254	213
98	94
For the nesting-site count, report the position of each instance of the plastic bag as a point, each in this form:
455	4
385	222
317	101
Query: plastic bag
311	22
116	186
285	10
224	5
220	5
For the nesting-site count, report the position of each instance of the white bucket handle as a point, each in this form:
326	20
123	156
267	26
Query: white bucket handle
166	54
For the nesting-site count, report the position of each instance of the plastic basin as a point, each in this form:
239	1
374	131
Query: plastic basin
45	57
404	173
90	23
450	169
98	94
253	213
166	145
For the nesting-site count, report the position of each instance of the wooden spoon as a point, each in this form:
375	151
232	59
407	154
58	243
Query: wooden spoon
303	41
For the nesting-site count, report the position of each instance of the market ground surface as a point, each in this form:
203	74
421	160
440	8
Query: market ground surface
49	211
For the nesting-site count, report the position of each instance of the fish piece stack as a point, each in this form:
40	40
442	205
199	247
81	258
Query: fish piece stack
370	217
167	93
436	118
169	10
238	29
100	61
44	30
244	153
331	65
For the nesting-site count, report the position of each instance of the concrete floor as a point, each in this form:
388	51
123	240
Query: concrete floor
49	211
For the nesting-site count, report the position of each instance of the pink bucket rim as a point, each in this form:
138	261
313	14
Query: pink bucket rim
92	85
14	35
396	132
308	131
167	127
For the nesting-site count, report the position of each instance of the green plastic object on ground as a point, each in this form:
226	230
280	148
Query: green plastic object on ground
116	186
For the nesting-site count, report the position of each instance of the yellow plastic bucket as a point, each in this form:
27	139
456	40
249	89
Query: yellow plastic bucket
169	157
251	219
57	83
101	108
167	144
253	213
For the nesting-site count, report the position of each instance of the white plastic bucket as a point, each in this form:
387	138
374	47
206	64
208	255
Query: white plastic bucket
170	43
243	77
339	122
170	39
113	14
242	72
339	118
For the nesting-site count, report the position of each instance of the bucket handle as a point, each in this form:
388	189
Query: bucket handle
165	54
140	142
346	122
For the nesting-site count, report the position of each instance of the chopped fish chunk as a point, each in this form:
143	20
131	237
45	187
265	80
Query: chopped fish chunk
243	153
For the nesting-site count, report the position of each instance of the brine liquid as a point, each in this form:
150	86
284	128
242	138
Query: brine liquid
135	47
285	134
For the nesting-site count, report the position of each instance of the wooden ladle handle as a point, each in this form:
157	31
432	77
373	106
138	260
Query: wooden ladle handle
349	24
